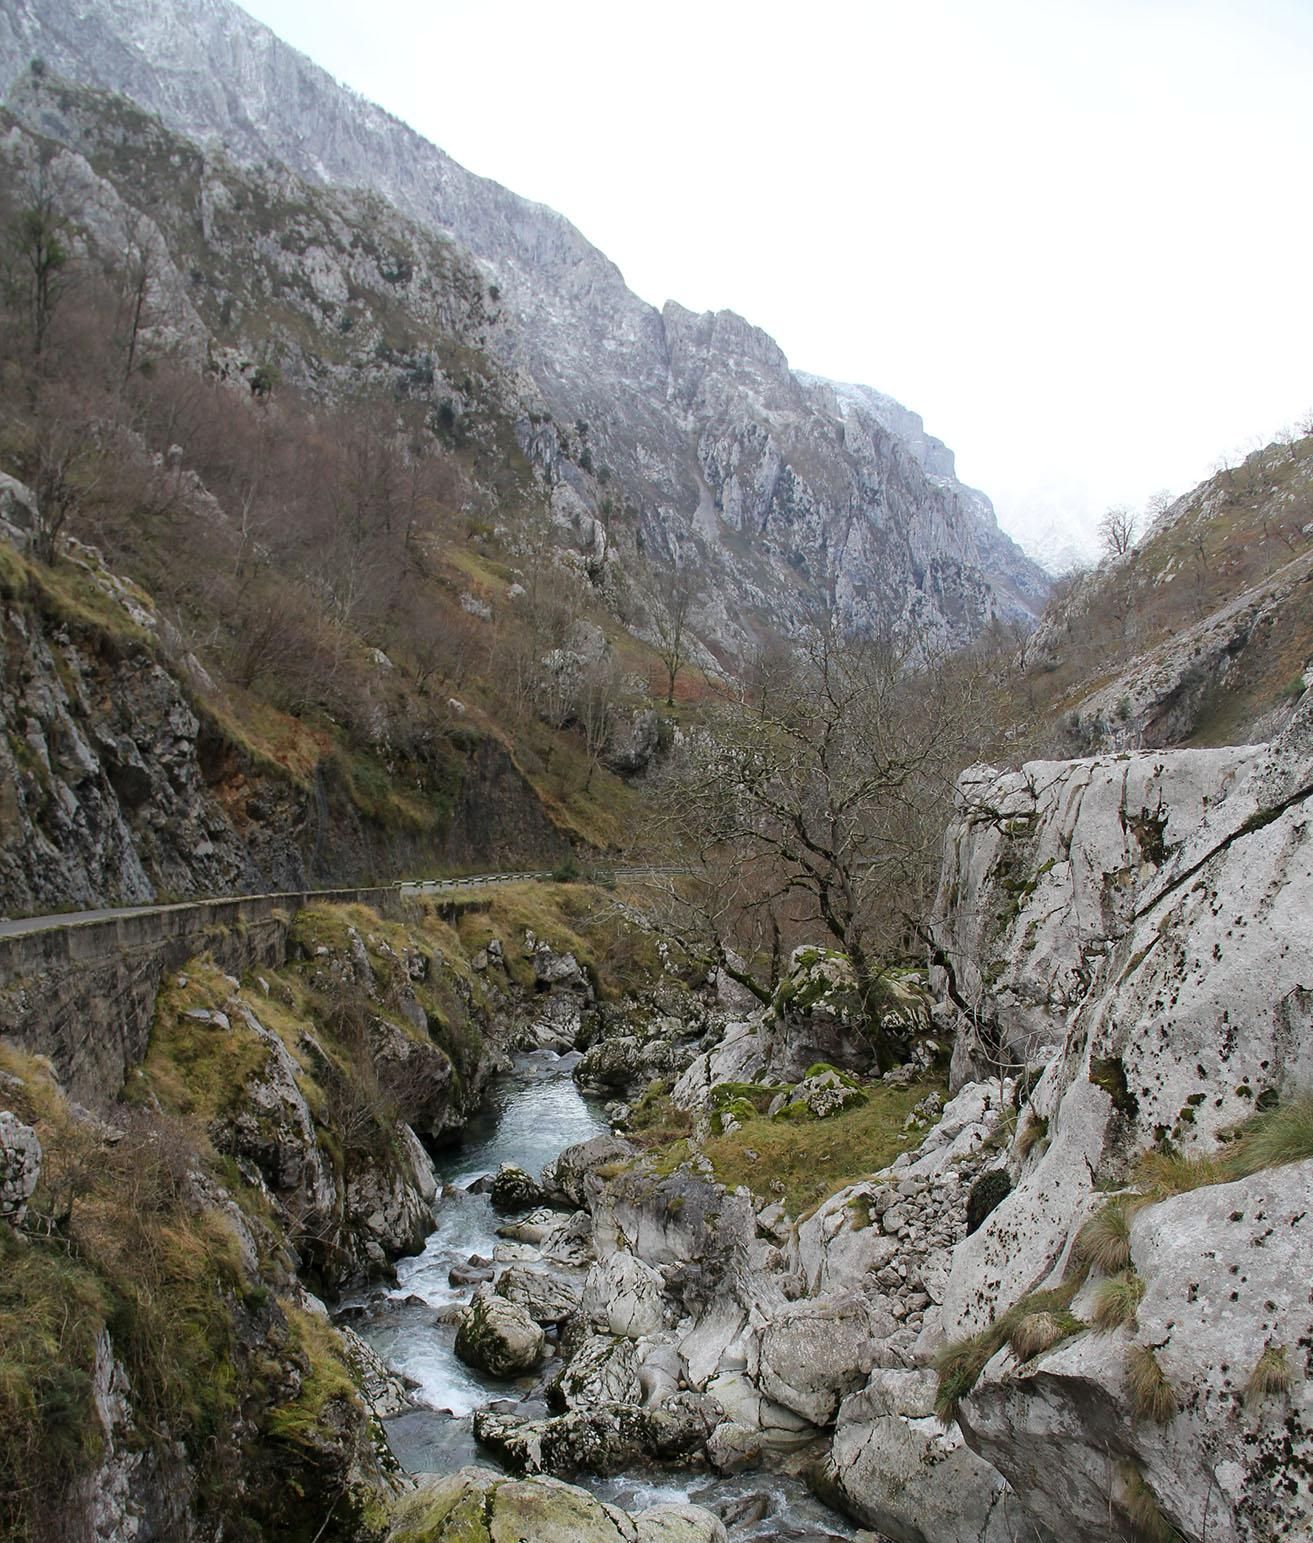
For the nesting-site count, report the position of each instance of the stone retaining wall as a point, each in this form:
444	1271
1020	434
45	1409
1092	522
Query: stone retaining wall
83	993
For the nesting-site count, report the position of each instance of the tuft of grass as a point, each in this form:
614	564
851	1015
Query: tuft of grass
1034	1129
1036	1333
1144	1509
1163	1174
1117	1301
1281	1135
1044	1315
1270	1139
1104	1242
959	1366
1271	1376
1152	1395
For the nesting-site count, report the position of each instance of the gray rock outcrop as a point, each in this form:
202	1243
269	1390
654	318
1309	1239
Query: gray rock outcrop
20	1167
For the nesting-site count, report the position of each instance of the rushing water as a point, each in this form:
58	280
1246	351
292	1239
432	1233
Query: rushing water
530	1115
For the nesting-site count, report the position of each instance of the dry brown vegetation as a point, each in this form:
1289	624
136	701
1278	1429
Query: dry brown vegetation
322	553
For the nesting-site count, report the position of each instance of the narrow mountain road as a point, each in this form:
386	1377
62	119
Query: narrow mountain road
19	926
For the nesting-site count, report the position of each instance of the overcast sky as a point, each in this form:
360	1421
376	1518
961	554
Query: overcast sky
1075	235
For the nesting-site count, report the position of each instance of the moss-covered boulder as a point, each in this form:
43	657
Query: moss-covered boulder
479	1506
499	1337
817	1014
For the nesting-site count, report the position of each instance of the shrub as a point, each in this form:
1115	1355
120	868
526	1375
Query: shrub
1270	1377
1152	1396
1117	1300
987	1193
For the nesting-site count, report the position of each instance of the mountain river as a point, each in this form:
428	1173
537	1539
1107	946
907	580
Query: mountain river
530	1114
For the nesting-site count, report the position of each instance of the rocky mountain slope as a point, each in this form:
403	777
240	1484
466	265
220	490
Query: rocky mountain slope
691	429
1199	633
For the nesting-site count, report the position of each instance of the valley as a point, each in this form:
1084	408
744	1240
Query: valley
589	951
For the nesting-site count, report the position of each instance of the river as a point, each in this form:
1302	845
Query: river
529	1115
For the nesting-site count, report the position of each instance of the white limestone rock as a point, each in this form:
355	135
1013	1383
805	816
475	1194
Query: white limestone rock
904	1473
622	1295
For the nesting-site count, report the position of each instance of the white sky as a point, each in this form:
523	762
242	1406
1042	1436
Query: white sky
1075	235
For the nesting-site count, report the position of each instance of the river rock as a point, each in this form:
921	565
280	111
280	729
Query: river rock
818	1015
605	1439
570	1177
514	1190
570	1242
624	1296
603	1370
477	1505
815	1352
473	1273
382	1390
546	1297
553	969
499	1337
898	1469
678	1524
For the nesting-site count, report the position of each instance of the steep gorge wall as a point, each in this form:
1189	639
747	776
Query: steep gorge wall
121	782
1155	938
794	490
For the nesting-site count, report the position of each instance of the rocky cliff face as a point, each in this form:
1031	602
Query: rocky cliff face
1161	947
692	430
1200	632
122	781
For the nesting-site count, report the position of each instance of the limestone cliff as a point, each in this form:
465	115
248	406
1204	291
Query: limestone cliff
1147	916
690	434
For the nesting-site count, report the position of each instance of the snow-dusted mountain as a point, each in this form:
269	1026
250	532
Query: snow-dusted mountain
789	489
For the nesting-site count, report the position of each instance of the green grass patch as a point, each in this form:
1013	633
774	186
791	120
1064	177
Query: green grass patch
813	1159
194	1066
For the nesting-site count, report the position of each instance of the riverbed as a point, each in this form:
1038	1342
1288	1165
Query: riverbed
530	1114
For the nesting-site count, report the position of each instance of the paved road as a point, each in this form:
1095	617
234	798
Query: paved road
25	924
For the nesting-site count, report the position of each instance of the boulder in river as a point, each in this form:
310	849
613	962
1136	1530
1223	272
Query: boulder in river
604	1370
545	1296
572	1175
515	1190
499	1337
476	1505
622	1295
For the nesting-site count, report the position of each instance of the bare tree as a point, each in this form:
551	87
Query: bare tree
595	710
826	790
61	462
673	592
1117	531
